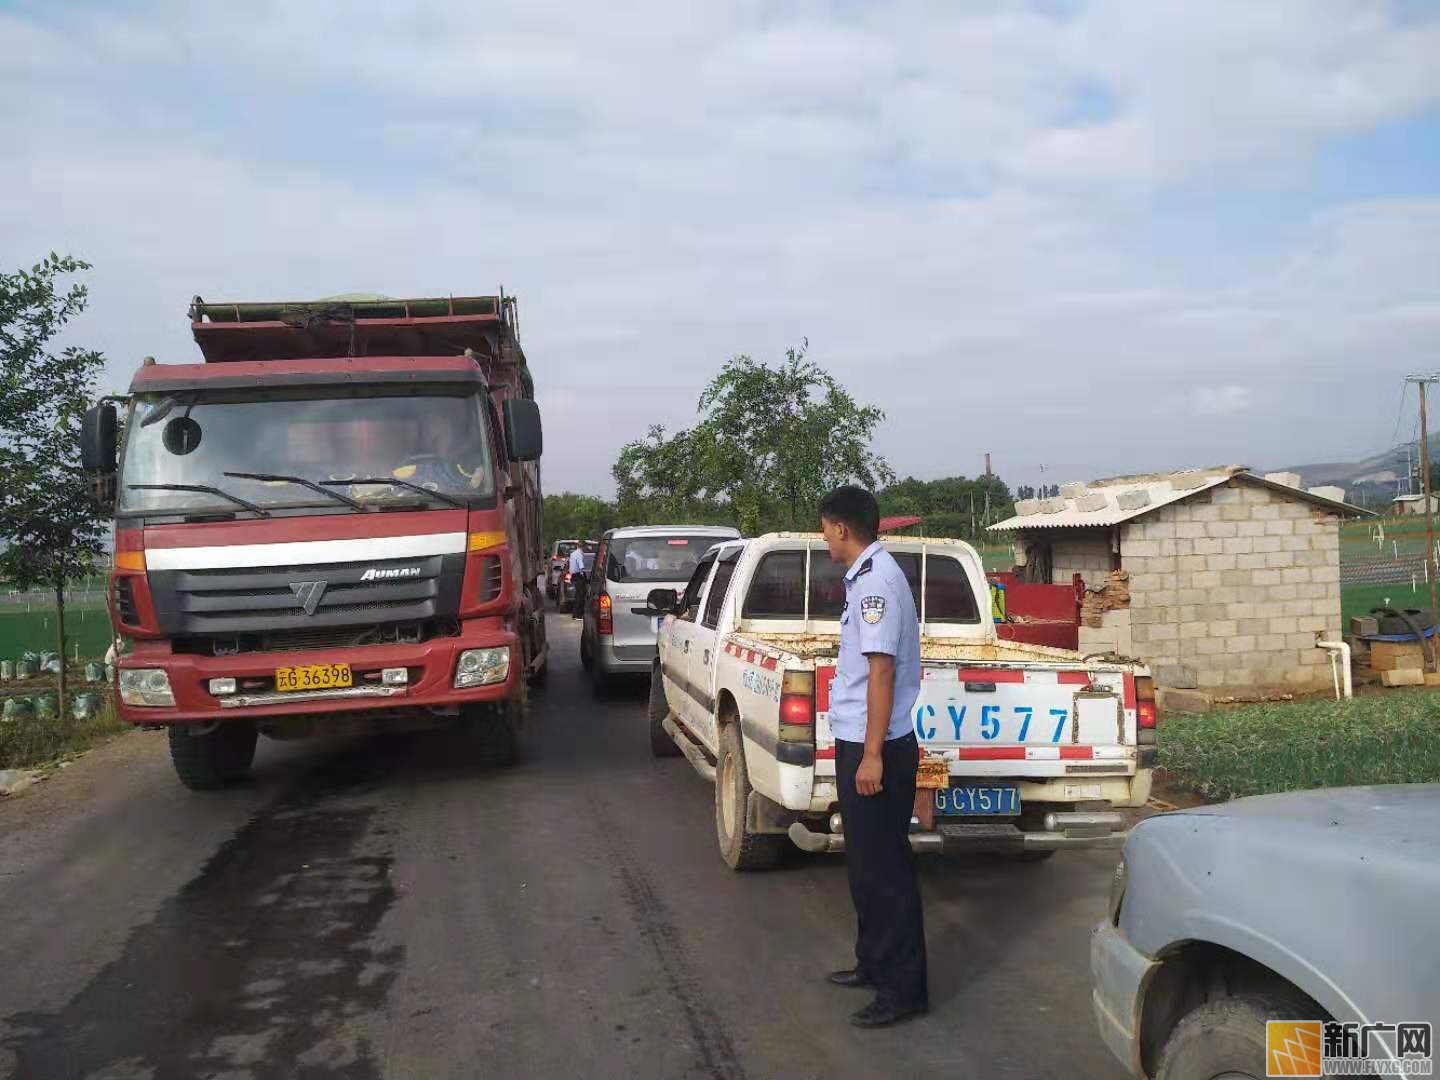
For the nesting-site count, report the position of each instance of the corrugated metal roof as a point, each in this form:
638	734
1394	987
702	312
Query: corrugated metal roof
1112	503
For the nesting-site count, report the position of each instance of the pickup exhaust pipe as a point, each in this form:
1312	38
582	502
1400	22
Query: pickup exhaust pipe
1096	823
818	843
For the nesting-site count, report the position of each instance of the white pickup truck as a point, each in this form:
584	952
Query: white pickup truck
1039	746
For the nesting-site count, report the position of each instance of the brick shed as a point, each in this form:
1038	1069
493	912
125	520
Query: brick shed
1218	578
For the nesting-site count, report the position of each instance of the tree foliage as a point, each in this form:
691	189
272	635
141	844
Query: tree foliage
577	517
50	528
954	506
770	442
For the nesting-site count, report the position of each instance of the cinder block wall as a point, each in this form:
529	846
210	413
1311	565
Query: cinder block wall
1081	551
1235	584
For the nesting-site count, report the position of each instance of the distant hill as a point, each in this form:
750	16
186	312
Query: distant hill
1369	482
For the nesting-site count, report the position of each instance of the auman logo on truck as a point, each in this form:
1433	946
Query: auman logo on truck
384	575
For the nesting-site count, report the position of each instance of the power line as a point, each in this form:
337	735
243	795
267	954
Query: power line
1400	412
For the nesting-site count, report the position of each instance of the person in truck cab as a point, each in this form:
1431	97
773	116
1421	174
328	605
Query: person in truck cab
444	466
876	683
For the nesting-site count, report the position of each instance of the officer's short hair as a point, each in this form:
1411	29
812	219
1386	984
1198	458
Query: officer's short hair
853	507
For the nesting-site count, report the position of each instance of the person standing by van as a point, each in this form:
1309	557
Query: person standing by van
877	680
579	578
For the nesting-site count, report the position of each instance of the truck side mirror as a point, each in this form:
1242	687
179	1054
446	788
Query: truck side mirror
663	602
98	438
523	437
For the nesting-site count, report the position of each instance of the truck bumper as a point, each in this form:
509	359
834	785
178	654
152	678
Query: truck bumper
430	686
1119	975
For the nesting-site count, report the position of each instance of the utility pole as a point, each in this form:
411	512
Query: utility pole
1421	381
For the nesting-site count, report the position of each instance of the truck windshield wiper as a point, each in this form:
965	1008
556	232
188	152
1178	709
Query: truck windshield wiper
358	507
395	481
204	489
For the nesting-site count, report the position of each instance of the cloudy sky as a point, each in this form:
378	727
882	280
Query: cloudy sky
1098	237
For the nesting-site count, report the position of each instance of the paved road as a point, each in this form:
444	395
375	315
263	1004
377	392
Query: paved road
388	909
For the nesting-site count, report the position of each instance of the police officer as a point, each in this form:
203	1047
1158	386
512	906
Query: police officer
876	757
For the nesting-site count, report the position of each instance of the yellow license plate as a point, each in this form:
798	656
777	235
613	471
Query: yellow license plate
313	677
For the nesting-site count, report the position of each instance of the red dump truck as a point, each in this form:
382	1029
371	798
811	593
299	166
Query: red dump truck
332	524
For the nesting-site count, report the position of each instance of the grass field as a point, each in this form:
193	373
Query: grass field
1289	746
33	741
87	626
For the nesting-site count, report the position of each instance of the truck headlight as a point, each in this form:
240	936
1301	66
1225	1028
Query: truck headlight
482	667
145	686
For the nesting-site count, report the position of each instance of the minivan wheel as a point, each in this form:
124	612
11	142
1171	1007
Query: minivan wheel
1226	1037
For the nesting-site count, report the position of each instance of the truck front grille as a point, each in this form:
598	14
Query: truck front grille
316	606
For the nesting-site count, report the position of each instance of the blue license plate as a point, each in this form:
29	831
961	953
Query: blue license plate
978	799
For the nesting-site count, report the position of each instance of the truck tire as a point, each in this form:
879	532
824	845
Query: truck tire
661	744
209	761
741	849
1226	1036
495	728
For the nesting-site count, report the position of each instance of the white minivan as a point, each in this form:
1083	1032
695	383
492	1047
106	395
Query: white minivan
618	636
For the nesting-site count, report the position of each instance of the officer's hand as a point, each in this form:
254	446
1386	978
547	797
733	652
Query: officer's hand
869	775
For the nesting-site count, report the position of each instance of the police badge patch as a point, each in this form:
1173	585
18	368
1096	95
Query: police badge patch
872	609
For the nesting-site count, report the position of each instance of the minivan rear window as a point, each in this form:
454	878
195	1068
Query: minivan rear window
657	558
779	582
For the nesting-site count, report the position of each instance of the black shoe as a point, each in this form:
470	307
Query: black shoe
883	1014
852	977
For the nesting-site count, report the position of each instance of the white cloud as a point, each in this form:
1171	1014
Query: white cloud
944	200
1220	400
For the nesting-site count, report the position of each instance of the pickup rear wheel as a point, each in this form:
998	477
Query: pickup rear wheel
1226	1037
661	744
740	848
213	759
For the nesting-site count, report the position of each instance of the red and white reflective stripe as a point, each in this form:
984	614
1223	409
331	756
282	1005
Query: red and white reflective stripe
750	656
1036	677
1038	753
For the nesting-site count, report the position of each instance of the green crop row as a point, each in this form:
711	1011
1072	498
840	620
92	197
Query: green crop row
1391	738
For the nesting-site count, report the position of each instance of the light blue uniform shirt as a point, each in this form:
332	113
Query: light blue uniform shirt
879	617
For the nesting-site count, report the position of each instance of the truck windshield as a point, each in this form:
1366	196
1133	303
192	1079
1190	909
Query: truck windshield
429	438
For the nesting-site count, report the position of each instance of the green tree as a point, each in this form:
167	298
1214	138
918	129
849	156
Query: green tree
51	529
569	516
770	442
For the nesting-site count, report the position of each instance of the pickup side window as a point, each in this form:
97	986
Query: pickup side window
715	601
778	585
691	596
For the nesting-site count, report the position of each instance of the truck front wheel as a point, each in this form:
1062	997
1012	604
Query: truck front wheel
210	760
495	727
739	847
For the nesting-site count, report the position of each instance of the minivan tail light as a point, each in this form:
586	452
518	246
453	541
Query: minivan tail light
604	614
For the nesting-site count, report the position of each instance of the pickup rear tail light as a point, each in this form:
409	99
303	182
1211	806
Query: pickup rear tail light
797	706
1145	714
604	614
